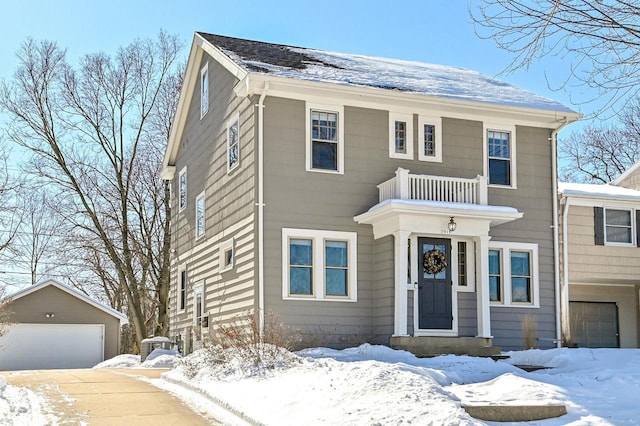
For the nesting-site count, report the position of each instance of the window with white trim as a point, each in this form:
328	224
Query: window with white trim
325	139
319	265
200	215
513	274
182	288
233	143
429	138
500	155
204	90
182	189
200	317
227	255
618	225
401	136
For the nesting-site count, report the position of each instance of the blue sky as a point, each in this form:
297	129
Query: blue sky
435	31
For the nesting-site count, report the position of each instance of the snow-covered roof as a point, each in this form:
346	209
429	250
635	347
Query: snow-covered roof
365	71
598	191
72	291
626	173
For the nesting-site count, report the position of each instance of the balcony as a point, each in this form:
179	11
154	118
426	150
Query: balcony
407	186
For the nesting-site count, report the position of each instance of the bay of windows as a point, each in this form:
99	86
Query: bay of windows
513	274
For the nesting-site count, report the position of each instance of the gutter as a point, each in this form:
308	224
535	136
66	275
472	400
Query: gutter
260	204
564	311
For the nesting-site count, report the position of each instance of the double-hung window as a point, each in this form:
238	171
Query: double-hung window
618	226
500	156
319	265
325	139
204	90
182	189
200	215
430	139
401	136
513	274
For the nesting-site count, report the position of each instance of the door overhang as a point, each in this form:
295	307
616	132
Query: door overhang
432	217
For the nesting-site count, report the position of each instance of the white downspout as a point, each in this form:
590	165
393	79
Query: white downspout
261	209
565	271
556	244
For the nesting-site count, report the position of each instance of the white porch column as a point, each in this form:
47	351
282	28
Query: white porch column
482	286
401	253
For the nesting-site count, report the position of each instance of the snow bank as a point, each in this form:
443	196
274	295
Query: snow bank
20	406
158	358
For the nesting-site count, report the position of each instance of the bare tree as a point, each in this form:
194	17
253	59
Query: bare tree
600	39
10	216
89	130
599	154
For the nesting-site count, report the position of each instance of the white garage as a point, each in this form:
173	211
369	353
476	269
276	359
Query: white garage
48	346
56	326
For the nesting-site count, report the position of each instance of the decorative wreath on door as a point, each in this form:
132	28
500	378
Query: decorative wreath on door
434	261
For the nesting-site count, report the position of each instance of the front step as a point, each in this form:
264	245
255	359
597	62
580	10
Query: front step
424	346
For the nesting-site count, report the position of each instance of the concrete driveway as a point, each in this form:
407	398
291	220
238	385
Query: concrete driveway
107	397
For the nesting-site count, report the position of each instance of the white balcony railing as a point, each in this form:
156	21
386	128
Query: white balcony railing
406	186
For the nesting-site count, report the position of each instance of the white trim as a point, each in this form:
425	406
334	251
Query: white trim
235	119
204	90
182	268
408	120
437	123
183	172
318	238
339	110
632	219
204	216
501	127
505	258
198	288
223	248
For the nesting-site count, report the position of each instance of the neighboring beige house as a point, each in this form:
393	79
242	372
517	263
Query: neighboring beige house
56	326
361	198
600	227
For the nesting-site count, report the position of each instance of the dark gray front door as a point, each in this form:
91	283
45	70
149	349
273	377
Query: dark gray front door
434	288
595	324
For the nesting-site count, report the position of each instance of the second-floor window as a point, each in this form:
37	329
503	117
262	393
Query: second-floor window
401	136
182	189
204	90
233	143
430	139
618	226
200	215
325	146
499	157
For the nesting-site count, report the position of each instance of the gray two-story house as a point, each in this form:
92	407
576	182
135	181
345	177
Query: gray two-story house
361	198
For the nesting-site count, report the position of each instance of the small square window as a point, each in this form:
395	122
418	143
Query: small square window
227	255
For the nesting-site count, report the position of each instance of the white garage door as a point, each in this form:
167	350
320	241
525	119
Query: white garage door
45	346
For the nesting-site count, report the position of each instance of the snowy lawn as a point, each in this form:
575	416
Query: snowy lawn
375	385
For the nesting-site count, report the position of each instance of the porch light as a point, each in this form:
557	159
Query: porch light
452	224
49	315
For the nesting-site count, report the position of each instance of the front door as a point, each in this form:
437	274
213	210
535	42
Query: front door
434	284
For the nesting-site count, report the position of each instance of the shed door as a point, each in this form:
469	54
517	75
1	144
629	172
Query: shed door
595	324
49	346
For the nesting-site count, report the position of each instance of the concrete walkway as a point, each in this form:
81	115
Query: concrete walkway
107	397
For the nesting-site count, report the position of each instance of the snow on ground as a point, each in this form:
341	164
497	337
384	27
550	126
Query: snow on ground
20	406
376	385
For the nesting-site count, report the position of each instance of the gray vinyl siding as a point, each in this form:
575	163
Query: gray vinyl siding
534	198
31	309
229	206
296	198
